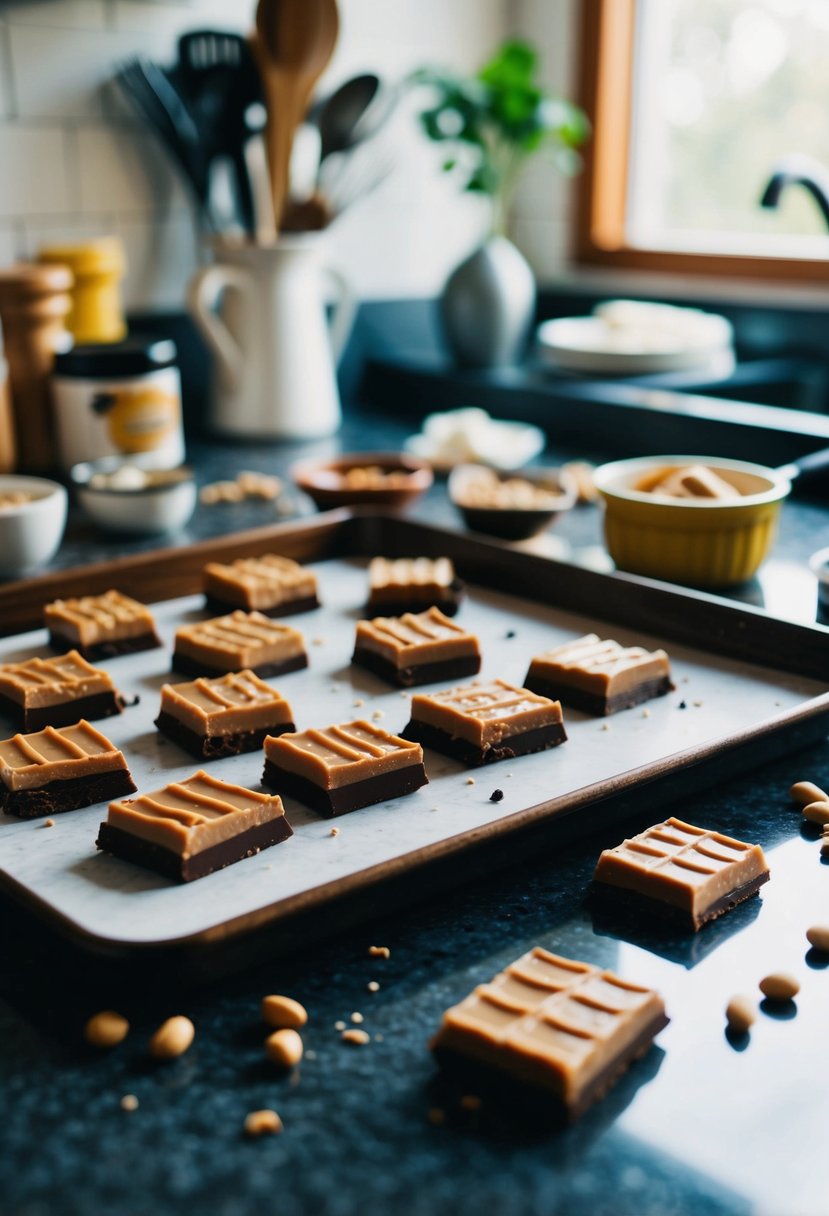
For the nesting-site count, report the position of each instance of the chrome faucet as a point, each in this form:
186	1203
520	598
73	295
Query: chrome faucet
798	170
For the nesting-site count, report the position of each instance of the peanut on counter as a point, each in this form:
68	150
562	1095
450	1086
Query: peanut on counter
172	1038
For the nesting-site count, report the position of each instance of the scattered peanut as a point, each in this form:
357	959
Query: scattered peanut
48	823
779	986
818	936
129	1102
334	832
339	1025
373	986
284	1048
470	781
357	1017
804	792
379	952
283	1013
263	1123
740	1014
172	1038
106	1029
356	1037
817	812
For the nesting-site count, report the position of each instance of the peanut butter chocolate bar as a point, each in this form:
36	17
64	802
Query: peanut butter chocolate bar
238	642
410	584
417	648
223	716
482	723
690	873
56	692
270	584
194	827
342	768
600	676
553	1026
100	626
60	770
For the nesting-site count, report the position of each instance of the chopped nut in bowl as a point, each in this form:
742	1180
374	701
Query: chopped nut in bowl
388	479
509	506
124	496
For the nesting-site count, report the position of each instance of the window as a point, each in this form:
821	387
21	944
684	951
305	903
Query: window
694	103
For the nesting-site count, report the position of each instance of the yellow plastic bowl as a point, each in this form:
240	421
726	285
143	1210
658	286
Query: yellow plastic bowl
706	542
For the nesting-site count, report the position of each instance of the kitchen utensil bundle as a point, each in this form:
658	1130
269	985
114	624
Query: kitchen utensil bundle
233	114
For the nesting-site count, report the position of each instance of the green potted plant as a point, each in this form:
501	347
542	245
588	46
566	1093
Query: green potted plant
492	124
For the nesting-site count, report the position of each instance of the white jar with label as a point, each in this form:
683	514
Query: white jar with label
121	399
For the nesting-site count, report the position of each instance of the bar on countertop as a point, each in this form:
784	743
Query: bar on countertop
240	641
56	770
223	716
271	584
56	692
483	723
100	626
420	648
600	676
192	828
411	584
343	768
688	873
550	1026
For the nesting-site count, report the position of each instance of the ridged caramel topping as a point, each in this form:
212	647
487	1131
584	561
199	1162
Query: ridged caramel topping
485	713
260	582
404	572
99	615
239	640
339	755
45	681
598	656
423	636
237	701
56	754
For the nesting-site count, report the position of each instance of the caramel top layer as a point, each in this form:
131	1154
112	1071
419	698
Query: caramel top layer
239	640
192	815
341	755
42	682
99	618
260	582
688	867
31	761
422	637
551	1021
484	714
603	666
222	705
403	573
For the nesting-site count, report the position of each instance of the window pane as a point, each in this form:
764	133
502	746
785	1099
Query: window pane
723	90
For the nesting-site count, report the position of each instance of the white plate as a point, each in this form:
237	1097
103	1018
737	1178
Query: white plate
590	344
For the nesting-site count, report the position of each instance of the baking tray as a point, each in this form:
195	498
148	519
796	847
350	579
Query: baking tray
752	687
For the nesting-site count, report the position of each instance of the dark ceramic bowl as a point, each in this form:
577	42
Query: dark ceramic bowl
510	522
338	482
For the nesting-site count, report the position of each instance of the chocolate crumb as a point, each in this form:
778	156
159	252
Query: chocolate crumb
682	705
496	795
510	633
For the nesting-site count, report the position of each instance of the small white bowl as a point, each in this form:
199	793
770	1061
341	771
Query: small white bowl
164	505
30	532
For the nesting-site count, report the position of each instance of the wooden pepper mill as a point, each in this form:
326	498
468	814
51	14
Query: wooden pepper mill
34	301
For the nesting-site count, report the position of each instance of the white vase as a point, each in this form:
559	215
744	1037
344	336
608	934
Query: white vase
488	305
262	311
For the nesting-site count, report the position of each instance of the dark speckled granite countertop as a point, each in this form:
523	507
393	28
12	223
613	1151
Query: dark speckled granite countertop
698	1126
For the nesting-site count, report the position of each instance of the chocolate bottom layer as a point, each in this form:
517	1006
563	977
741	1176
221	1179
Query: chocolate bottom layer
426	673
194	667
345	798
623	900
447	604
71	795
467	753
504	1086
105	650
185	869
64	713
215	747
590	703
287	608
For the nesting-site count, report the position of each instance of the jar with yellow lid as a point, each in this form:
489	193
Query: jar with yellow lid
98	267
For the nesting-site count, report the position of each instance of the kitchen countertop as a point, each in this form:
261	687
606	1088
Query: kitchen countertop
700	1125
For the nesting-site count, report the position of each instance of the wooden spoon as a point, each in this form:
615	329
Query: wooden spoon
295	41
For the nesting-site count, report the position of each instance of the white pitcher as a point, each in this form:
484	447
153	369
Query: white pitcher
262	311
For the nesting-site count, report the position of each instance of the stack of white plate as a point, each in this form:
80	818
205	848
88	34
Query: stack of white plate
635	338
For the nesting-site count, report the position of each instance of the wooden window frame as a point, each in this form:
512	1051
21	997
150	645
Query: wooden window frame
606	94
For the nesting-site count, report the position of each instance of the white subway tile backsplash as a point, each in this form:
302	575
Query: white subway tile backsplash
58	14
34	180
162	256
64	73
123	169
36	233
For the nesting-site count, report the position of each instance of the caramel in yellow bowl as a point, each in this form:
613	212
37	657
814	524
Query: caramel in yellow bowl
707	542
